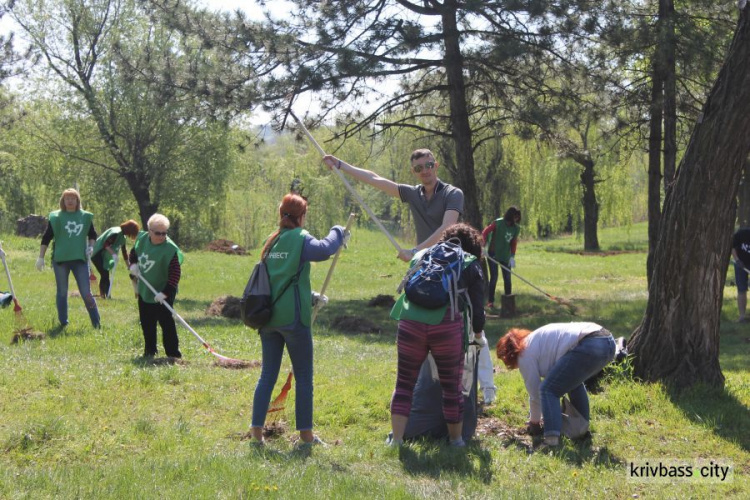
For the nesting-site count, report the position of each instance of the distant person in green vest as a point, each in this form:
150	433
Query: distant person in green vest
441	333
289	251
73	231
107	245
157	258
500	239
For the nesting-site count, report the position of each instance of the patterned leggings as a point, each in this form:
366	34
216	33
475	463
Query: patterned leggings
445	342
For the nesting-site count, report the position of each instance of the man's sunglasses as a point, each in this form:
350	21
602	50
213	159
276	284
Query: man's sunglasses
159	233
428	165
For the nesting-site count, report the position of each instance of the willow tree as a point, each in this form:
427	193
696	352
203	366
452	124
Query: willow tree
678	338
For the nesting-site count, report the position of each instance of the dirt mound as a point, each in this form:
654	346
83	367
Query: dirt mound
382	301
491	426
26	334
31	226
226	305
237	364
225	246
354	324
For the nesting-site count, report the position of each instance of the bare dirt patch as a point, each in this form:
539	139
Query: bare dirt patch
354	324
237	364
382	301
226	305
494	427
226	246
26	334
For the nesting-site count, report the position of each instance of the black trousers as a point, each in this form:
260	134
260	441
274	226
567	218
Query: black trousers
150	315
96	259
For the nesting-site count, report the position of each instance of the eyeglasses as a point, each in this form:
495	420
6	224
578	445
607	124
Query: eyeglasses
428	165
159	233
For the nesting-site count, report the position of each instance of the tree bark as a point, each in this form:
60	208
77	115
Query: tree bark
654	167
678	339
669	42
590	207
460	126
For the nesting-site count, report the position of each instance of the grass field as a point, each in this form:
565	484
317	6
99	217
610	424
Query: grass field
82	415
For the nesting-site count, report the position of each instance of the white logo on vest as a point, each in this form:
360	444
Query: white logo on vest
144	264
73	229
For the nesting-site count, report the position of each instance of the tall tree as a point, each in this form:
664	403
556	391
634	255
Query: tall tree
462	53
678	339
104	54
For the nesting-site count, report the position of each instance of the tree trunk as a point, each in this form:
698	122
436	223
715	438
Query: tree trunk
678	339
654	167
743	208
590	207
139	186
669	42
460	126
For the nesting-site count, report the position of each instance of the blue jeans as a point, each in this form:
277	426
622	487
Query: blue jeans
300	347
740	277
567	377
80	270
507	285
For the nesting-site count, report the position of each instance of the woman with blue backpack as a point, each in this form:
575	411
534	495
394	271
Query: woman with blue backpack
288	253
427	329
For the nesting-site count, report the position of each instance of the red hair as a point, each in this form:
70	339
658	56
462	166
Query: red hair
130	228
291	210
511	345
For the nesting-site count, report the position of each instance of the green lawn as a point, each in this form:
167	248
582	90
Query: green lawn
81	415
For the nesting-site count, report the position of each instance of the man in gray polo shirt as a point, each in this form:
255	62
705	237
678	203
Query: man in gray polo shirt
434	204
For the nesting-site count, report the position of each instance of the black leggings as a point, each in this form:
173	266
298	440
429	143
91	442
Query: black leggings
493	279
150	315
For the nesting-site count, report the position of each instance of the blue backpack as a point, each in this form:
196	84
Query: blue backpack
432	282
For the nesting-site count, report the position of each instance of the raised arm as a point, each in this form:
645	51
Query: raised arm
386	185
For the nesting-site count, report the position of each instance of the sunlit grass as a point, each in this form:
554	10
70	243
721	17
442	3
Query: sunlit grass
82	416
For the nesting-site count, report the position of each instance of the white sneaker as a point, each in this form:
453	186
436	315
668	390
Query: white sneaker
489	396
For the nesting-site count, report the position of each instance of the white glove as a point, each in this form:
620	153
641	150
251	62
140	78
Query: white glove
512	262
484	252
160	298
347	237
134	270
115	258
316	297
40	264
89	252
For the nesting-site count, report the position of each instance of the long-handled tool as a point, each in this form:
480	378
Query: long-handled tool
348	185
22	328
278	404
222	360
561	301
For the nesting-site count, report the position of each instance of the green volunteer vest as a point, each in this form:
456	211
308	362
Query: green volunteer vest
70	230
107	261
153	263
282	263
501	238
403	309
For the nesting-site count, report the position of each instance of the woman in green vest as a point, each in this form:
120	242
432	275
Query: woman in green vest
158	259
439	332
73	231
288	253
105	251
501	238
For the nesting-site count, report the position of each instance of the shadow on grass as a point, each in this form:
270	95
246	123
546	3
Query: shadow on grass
717	410
434	459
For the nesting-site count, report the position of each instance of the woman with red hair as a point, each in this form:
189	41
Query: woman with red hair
105	255
564	355
288	253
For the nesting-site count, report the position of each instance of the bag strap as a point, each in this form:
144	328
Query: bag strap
291	280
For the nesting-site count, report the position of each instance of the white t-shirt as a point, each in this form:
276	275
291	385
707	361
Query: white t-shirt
544	346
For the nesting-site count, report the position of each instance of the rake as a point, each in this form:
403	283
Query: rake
348	185
277	406
559	300
22	328
221	360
